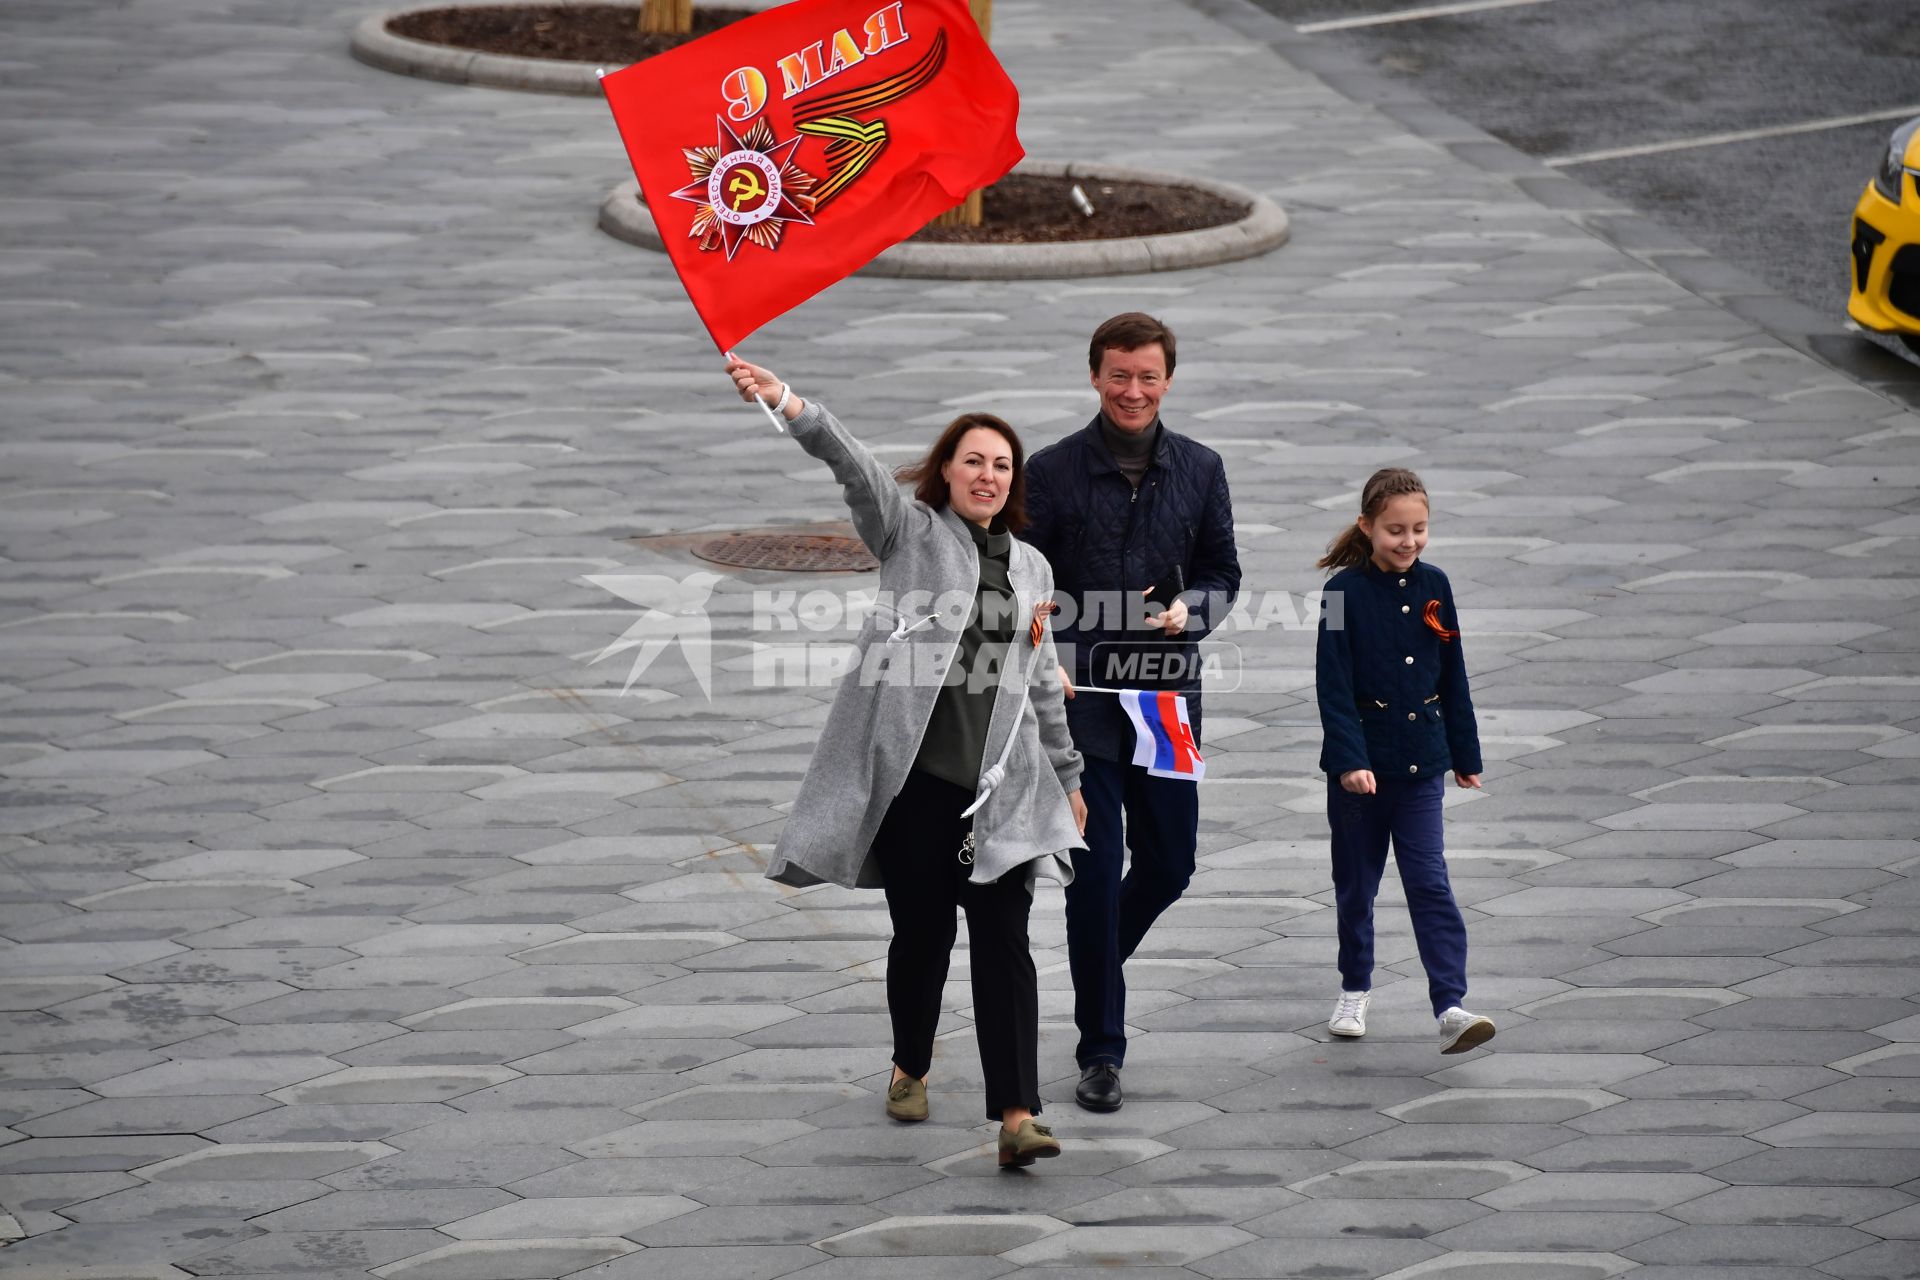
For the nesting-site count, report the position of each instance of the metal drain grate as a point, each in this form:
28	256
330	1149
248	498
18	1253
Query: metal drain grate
788	552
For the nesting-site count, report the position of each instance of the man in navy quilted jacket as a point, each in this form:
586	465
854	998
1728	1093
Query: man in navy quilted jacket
1138	525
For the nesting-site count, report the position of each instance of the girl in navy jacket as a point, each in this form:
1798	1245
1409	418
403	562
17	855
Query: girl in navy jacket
1397	717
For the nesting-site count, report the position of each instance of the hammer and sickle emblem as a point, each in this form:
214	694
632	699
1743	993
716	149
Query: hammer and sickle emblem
744	188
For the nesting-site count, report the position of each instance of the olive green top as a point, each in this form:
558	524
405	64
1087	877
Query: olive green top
956	737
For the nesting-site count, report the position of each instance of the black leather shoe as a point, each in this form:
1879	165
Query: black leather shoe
1099	1088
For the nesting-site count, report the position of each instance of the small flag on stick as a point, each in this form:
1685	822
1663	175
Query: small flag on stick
1163	737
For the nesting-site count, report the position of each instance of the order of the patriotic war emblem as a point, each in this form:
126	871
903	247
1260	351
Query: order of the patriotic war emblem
747	188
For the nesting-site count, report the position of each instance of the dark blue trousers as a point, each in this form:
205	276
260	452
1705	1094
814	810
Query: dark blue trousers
1407	814
1157	820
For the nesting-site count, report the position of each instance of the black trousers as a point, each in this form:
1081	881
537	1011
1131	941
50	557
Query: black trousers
918	847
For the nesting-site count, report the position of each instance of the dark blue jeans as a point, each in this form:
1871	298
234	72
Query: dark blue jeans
1108	914
1407	814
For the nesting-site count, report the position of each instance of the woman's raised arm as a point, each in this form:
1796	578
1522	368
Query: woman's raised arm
873	497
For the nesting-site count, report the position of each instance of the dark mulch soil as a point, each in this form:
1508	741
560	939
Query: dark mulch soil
1025	208
602	33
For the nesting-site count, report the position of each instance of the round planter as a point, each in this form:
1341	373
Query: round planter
1264	228
376	46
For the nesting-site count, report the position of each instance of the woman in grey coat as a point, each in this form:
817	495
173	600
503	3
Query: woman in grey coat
945	774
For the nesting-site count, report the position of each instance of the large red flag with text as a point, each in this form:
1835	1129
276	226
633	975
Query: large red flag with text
785	151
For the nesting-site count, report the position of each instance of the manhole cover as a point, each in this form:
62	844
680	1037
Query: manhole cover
788	552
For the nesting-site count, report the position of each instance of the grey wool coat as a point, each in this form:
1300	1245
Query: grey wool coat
873	732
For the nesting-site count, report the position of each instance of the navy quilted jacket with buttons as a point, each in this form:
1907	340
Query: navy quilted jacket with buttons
1101	536
1393	692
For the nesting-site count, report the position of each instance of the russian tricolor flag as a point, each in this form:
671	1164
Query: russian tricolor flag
1163	737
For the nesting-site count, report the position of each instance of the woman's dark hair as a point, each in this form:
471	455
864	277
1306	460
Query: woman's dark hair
1129	332
931	487
1353	546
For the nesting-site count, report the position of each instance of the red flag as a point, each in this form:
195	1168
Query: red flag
785	151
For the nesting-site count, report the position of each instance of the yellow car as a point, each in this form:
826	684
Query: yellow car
1886	243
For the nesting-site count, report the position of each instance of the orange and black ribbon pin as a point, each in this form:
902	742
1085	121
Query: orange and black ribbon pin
1432	619
1041	612
854	144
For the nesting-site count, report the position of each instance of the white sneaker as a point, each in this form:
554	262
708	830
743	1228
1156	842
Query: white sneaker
1350	1014
1461	1031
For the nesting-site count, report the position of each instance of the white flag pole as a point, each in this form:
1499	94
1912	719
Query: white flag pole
772	417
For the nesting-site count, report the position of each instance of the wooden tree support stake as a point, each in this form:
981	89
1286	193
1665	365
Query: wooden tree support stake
968	214
666	17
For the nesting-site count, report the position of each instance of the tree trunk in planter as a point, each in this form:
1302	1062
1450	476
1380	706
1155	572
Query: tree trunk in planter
968	214
666	17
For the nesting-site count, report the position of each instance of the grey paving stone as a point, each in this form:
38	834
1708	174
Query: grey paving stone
1748	1245
1410	1219
1148	1206
748	1262
959	1267
440	1170
298	1252
1554	1232
1895	1095
534	1092
145	1115
386	1210
756	1224
191	1200
1819	1207
1844	1129
1364	1257
454	1048
602	1216
392	1085
352	1122
1748	1082
1805	1014
240	1162
144	1244
546	1124
1821	1167
821	1185
1711	1272
1888	1260
1496	1141
92	1155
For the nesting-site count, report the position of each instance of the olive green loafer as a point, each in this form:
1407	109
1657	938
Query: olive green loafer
1032	1141
907	1099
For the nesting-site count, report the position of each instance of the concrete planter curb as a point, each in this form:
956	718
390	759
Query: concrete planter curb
1264	228
376	46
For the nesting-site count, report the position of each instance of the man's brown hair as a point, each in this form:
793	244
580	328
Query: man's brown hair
931	487
1129	332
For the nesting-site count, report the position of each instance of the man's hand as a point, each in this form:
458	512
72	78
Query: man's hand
1173	621
1467	779
1066	682
1079	807
1359	781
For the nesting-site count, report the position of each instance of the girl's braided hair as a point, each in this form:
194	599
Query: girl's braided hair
1353	546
